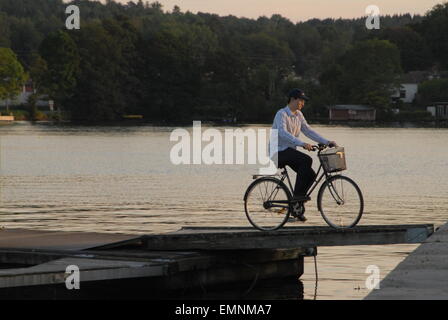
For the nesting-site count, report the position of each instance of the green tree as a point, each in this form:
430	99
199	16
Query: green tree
272	61
307	47
62	59
370	73
37	72
110	78
12	75
432	91
227	87
414	52
5	31
331	82
177	63
434	29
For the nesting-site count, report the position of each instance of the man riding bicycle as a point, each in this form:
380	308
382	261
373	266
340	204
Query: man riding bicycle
289	122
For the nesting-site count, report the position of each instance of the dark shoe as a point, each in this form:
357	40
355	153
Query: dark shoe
298	211
302	218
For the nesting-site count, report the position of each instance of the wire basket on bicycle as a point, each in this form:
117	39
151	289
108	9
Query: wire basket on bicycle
333	159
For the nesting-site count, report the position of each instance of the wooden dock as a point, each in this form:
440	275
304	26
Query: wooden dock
56	240
230	238
33	263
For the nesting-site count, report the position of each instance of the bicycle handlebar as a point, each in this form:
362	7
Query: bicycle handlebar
321	146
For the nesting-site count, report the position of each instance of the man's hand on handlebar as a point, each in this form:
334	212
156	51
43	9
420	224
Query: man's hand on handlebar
308	147
320	146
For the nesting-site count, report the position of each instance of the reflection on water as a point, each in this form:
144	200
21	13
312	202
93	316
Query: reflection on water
115	179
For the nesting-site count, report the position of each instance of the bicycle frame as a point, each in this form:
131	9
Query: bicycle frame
285	175
316	182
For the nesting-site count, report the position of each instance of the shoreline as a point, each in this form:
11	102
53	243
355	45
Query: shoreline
349	124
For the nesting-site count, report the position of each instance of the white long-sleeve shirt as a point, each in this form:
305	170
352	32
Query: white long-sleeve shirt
289	126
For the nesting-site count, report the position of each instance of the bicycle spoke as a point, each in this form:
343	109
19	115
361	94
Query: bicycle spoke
266	189
261	193
340	202
262	207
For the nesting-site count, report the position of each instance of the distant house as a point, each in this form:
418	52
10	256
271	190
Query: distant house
407	92
438	110
22	97
352	112
409	85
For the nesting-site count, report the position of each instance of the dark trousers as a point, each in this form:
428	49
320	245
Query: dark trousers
301	164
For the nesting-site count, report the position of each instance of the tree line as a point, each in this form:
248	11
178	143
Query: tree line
170	65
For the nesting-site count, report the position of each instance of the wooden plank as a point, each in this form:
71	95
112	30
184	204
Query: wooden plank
93	272
58	240
53	272
123	265
182	258
361	228
171	262
218	238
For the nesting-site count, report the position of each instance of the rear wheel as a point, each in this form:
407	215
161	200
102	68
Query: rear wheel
340	202
266	203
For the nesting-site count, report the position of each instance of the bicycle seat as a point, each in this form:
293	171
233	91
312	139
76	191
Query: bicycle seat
256	176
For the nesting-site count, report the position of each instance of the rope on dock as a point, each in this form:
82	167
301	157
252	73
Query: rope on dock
317	277
254	282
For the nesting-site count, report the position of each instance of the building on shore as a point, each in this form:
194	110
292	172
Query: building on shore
409	83
22	98
344	112
438	110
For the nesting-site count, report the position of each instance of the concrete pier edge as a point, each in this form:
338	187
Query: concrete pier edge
422	275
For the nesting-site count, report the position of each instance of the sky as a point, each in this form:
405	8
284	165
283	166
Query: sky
298	10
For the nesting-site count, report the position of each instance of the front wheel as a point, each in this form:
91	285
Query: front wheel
267	203
340	202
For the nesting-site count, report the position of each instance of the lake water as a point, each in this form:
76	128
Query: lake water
120	179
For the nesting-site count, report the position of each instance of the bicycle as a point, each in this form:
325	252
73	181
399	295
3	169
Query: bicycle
339	200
